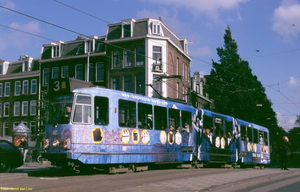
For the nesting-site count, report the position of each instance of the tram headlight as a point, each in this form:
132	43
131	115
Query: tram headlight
67	144
46	143
55	143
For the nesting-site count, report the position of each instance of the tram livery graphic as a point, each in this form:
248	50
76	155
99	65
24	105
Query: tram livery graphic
110	129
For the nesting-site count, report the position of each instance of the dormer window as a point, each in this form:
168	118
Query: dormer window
156	28
55	51
89	46
1	69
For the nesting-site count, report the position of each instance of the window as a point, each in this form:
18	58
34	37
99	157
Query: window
17	108
128	57
101	110
140	56
0	109
17	88
249	134
127	30
55	73
7	89
208	122
127	113
89	46
117	59
80	50
160	118
80	72
25	66
100	47
24	108
174	119
145	117
157	86
6	109
55	51
116	83
33	85
186	121
156	28
6	129
244	132
32	126
46	76
82	112
25	87
33	107
65	71
1	69
128	83
140	84
92	72
100	72
156	55
1	89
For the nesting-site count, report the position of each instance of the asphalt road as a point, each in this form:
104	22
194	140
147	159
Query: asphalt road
46	179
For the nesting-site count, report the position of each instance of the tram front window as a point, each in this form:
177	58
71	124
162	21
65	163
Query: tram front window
59	109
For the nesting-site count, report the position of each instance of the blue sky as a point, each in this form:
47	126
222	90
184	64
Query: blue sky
267	33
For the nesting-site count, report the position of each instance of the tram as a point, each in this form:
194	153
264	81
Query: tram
117	131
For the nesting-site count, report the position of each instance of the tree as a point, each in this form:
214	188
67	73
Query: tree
236	91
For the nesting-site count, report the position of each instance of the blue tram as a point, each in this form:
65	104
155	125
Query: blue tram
254	144
105	128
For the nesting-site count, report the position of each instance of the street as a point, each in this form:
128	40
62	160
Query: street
37	177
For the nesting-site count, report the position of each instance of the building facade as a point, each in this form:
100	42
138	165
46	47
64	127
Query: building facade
19	94
138	56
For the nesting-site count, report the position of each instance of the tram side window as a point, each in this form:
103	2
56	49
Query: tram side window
261	137
186	121
228	129
208	122
266	139
160	118
218	128
82	113
244	132
145	116
174	119
127	113
101	111
255	136
249	134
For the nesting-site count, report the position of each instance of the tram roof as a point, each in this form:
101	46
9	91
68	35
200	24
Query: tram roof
218	115
246	123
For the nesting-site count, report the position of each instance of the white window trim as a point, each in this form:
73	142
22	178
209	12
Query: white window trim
33	83
7	84
33	104
17	112
24	110
24	87
20	88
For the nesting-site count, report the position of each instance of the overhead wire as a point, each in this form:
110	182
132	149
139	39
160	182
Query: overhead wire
81	34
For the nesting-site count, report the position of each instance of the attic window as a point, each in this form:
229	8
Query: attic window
156	29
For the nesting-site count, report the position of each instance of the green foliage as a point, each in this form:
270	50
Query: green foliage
235	90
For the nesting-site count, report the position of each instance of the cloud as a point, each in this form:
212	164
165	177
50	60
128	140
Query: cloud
286	19
208	7
8	4
293	81
21	39
286	122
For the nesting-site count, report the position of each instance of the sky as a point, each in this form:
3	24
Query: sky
267	34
